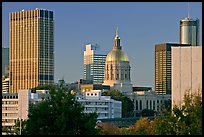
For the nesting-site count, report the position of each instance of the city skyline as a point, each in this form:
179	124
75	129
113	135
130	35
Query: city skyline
141	26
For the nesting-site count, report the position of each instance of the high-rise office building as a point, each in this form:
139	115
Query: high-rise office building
31	49
186	72
5	61
94	62
163	67
189	31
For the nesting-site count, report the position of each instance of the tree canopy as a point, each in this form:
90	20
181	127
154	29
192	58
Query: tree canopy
61	114
182	120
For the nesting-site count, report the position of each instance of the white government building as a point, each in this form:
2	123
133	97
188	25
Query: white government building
104	106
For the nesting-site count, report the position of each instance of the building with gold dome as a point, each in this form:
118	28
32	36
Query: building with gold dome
117	68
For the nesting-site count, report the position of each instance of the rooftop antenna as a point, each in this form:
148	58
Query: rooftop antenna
188	10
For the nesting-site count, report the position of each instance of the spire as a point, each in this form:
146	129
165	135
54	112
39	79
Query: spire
116	35
117	40
188	10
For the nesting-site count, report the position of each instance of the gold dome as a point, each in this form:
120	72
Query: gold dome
117	55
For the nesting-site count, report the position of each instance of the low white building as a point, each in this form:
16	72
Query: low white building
147	100
104	106
9	109
5	85
16	105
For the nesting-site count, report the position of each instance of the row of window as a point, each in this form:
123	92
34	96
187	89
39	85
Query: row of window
10	102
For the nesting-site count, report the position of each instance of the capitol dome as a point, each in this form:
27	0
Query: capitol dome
117	55
117	68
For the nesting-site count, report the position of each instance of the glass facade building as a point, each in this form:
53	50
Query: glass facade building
5	60
31	49
163	67
189	31
94	63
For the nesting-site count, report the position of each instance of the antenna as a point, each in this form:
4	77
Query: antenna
188	10
96	46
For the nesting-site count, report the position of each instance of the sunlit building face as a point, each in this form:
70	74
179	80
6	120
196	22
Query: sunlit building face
31	49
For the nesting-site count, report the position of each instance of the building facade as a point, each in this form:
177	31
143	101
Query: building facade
31	49
186	72
104	106
163	67
5	84
148	100
189	31
16	105
94	64
117	68
5	61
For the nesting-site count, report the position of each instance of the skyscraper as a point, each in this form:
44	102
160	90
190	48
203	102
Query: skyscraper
31	49
94	64
163	67
117	68
5	60
189	31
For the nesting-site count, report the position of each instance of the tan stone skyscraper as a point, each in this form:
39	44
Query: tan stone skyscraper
31	49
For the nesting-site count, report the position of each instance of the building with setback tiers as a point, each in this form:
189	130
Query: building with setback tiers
94	62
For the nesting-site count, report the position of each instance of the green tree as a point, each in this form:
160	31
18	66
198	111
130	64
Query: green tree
183	120
127	104
61	114
19	125
148	112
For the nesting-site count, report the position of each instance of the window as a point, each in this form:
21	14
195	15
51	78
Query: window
136	105
140	104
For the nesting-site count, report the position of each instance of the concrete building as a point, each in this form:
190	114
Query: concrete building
94	62
186	72
104	106
189	31
148	99
89	87
5	61
31	49
117	68
10	109
163	67
16	105
5	84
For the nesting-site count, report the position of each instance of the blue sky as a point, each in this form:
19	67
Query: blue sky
141	26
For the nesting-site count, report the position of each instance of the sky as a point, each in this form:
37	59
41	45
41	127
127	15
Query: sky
141	25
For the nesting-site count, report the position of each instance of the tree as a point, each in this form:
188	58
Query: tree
167	104
148	112
127	104
107	129
61	114
18	126
184	120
